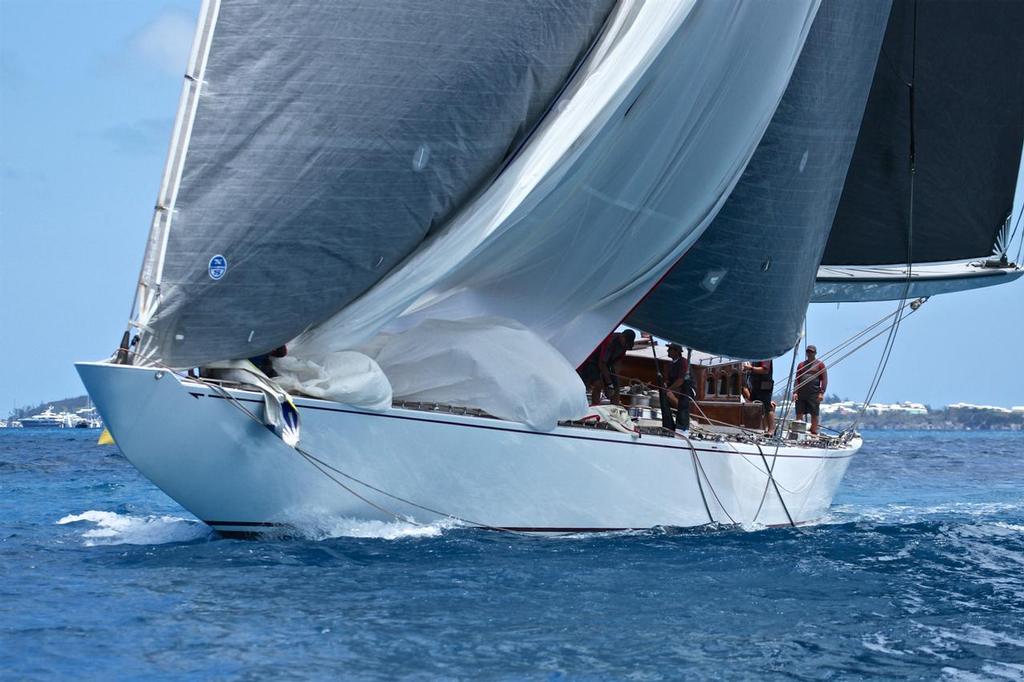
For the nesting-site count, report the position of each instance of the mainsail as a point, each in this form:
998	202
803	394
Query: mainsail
319	143
743	288
629	168
949	87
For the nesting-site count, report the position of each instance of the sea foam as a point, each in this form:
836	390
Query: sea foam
111	528
327	528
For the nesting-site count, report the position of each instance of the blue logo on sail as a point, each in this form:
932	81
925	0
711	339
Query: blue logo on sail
218	266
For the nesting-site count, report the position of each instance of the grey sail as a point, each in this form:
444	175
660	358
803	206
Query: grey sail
743	288
328	140
966	60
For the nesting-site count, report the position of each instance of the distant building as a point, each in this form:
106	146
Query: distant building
968	407
849	407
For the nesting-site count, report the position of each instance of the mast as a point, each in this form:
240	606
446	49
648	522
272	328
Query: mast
148	291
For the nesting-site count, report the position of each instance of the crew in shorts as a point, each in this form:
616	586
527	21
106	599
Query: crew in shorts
811	382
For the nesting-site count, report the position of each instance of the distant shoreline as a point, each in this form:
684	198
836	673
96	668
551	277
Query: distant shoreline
835	414
917	417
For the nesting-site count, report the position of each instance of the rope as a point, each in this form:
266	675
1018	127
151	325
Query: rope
320	465
780	424
696	472
700	468
771	477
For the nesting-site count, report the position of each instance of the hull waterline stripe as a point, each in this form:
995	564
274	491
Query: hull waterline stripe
517	529
638	442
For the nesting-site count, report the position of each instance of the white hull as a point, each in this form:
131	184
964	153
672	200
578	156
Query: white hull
237	476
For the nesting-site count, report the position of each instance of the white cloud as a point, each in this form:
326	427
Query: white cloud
164	42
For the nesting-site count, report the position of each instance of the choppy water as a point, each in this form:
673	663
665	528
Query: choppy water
918	574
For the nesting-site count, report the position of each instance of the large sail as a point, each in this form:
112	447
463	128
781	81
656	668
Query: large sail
965	62
743	288
320	142
631	166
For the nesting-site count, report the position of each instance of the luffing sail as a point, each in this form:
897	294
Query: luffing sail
320	142
632	164
961	64
743	288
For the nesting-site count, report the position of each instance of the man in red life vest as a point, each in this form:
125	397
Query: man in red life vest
599	370
811	382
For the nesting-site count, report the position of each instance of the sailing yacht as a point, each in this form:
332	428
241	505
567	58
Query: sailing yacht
442	209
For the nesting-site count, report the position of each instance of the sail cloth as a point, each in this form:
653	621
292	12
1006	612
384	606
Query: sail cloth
633	162
968	74
496	365
743	289
327	140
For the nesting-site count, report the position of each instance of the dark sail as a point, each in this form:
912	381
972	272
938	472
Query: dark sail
742	289
329	139
968	74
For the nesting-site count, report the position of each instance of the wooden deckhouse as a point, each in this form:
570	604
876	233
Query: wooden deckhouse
718	381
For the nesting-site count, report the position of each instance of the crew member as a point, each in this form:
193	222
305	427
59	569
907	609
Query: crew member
680	386
761	386
599	371
811	382
263	362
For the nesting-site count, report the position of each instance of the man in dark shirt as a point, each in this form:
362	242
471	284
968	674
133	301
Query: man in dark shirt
679	386
811	382
762	385
599	371
264	362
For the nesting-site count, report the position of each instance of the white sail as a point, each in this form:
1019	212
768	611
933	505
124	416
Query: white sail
633	163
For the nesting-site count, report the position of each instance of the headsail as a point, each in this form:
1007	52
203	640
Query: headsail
743	288
633	163
966	63
320	142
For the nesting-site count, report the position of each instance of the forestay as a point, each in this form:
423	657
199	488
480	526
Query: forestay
743	289
632	164
319	142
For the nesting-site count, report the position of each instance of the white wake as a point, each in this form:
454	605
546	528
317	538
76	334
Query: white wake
327	528
111	528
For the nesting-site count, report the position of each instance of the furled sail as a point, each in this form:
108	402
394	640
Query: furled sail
743	288
632	164
965	62
319	142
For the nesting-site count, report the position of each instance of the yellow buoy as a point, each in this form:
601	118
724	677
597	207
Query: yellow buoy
105	438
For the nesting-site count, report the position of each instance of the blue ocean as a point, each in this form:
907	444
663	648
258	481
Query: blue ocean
918	573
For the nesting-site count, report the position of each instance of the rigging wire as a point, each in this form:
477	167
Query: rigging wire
321	465
890	341
771	478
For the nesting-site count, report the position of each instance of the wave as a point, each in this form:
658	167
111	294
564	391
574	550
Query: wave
111	528
901	514
327	528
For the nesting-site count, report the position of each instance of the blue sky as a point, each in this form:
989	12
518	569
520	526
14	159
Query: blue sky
88	92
